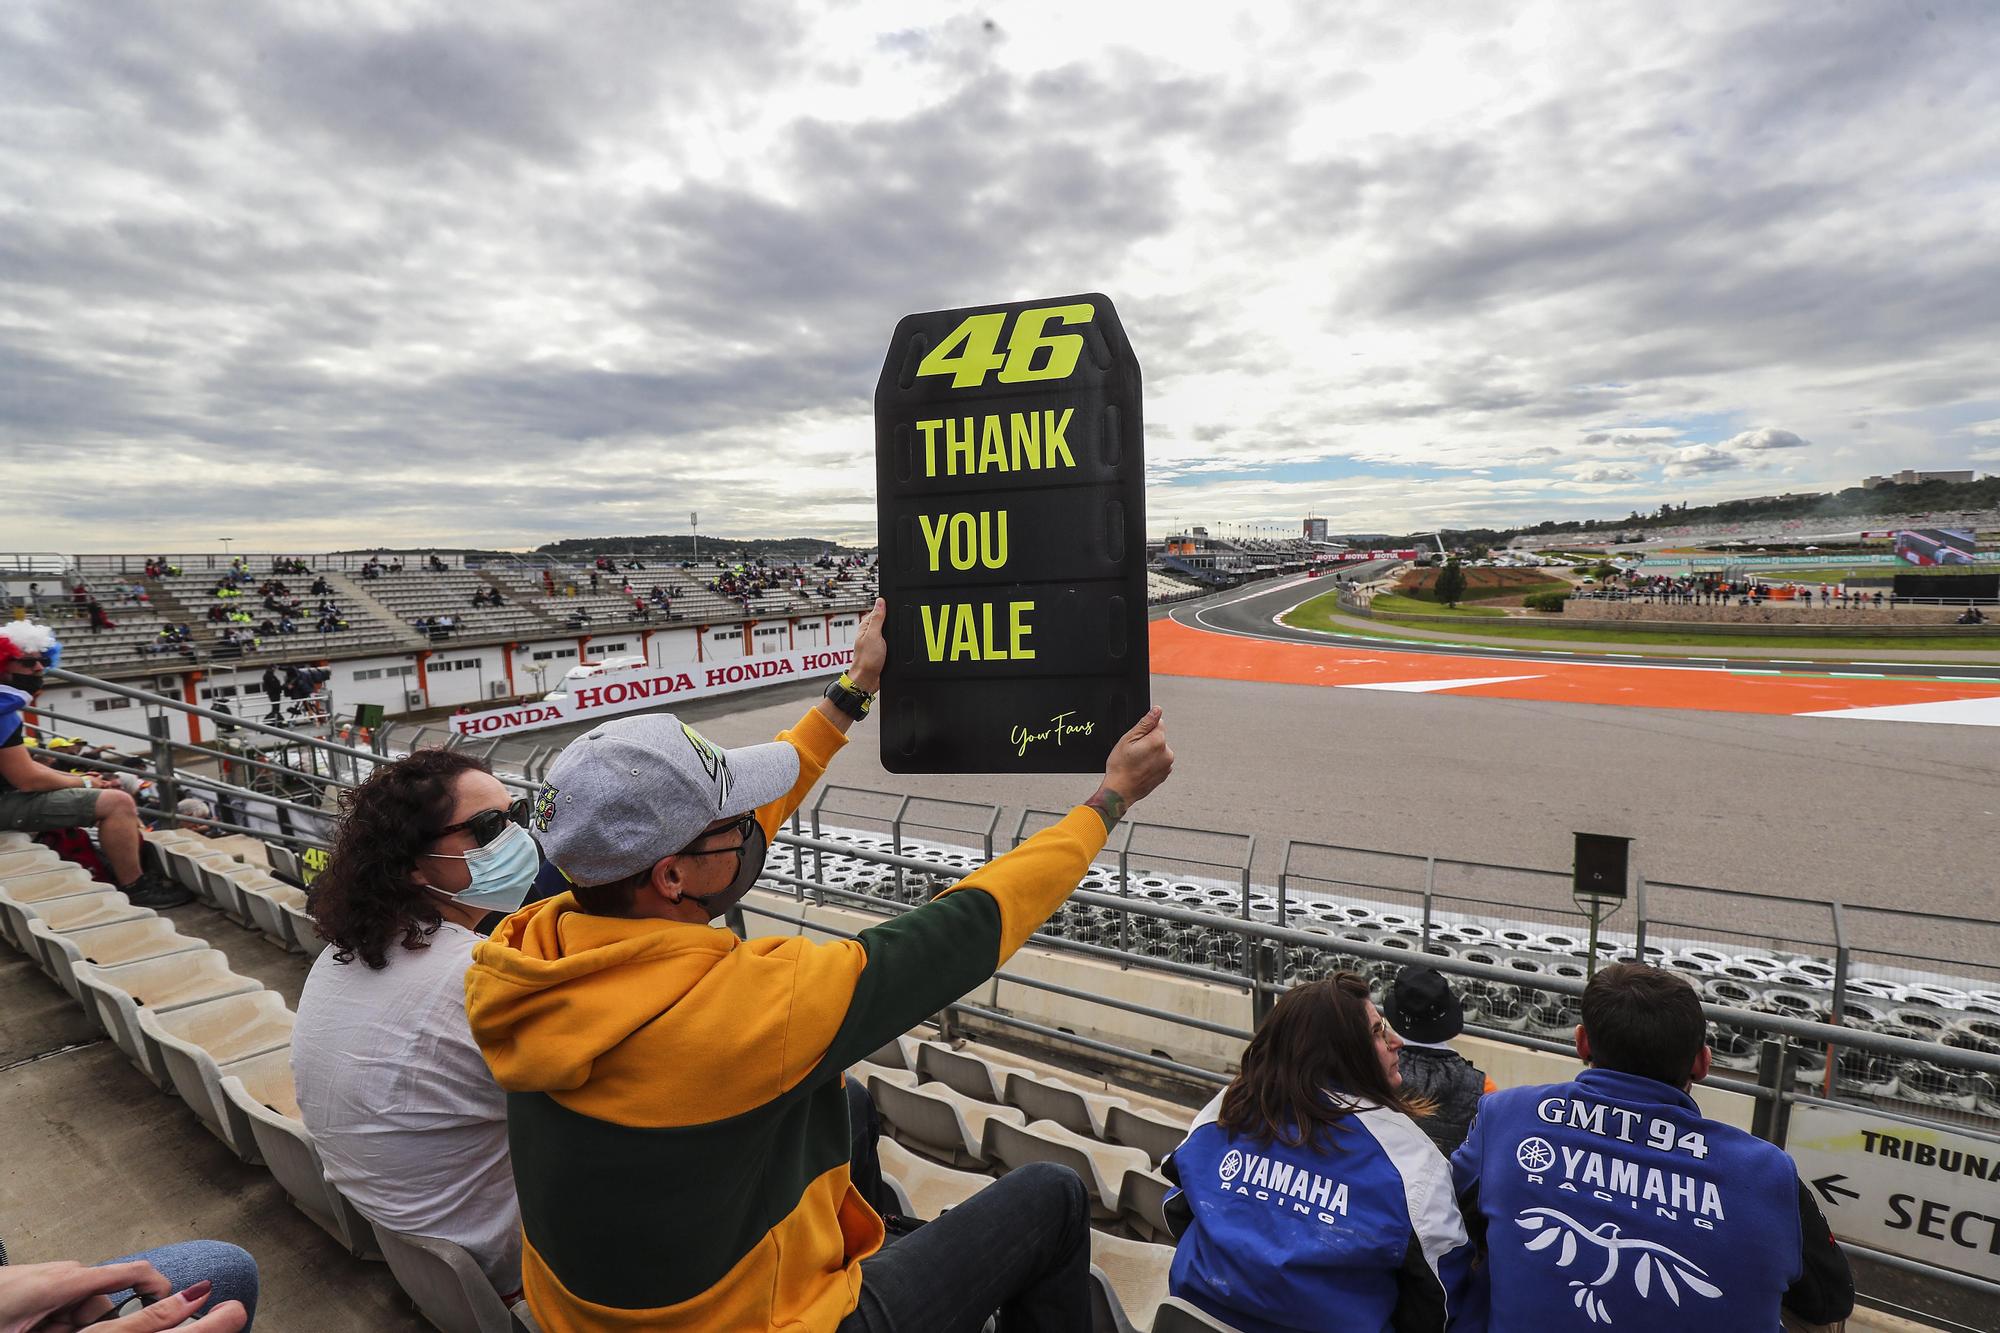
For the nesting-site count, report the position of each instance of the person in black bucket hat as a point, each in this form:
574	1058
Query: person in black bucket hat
1426	1014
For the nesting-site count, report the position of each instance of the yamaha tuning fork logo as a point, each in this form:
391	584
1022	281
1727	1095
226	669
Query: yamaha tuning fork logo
1232	1166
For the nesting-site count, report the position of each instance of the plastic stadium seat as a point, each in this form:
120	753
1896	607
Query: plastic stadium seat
258	1092
898	1054
249	850
940	1121
1107	1312
1103	1166
212	886
266	898
1045	1097
285	864
447	1284
300	931
198	1041
27	860
162	984
1142	1203
868	1073
81	911
1177	1316
1149	1131
973	1075
1136	1270
930	1189
14	838
107	946
23	891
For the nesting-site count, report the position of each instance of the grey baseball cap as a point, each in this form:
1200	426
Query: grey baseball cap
633	790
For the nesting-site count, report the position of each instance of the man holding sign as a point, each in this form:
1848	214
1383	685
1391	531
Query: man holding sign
676	1107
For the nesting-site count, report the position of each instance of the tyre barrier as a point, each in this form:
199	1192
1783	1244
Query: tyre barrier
1759	980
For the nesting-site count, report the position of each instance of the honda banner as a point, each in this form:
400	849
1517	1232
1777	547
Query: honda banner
632	689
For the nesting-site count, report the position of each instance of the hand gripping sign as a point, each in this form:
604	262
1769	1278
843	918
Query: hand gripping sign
1011	507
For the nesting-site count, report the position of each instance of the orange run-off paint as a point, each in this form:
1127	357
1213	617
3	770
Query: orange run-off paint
1181	651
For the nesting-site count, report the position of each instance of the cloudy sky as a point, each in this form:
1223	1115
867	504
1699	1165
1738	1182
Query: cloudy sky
360	271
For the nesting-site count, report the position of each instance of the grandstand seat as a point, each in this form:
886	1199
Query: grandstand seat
266	899
26	860
1045	1097
1149	1131
82	911
259	1093
126	942
12	839
940	1121
208	869
1136	1270
164	984
21	892
1177	1316
973	1075
447	1284
1142	1203
199	1042
868	1073
1103	1166
1107	1312
300	931
929	1189
898	1054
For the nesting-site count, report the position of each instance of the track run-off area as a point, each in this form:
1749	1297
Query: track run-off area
1242	637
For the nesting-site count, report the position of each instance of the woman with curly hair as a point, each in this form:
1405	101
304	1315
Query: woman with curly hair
391	1085
1306	1196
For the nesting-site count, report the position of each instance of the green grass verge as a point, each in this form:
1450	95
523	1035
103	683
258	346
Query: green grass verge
1319	614
1395	601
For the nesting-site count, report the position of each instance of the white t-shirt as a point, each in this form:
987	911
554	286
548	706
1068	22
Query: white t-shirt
399	1101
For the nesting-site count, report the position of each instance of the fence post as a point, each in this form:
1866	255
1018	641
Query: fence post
896	841
1774	1068
1639	930
1263	973
1838	1016
161	729
1430	890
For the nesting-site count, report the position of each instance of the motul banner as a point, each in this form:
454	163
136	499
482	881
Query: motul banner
658	687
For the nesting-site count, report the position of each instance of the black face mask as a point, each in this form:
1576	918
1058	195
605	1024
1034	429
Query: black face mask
749	865
26	683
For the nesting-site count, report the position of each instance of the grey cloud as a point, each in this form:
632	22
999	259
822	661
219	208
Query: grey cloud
1700	458
1765	437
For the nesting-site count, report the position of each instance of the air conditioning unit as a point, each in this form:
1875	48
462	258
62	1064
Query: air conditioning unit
413	698
497	690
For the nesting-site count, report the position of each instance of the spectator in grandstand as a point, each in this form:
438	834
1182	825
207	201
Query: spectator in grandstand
1426	1014
391	1086
680	1128
99	618
548	584
320	587
1307	1185
171	1286
35	798
1620	1165
194	814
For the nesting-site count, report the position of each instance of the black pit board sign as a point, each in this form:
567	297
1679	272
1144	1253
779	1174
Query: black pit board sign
1011	510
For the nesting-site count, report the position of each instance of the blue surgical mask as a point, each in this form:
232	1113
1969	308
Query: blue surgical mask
503	871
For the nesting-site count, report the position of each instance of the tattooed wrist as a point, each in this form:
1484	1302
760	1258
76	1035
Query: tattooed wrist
1109	805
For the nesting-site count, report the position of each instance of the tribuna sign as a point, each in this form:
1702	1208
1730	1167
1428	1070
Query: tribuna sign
640	687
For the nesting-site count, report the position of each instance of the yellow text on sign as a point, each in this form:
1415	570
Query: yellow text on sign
966	539
964	632
972	349
1013	442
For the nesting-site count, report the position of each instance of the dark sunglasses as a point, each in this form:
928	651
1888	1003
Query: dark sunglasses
741	826
489	824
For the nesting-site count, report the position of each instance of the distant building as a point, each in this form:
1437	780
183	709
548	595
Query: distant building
1315	529
1909	477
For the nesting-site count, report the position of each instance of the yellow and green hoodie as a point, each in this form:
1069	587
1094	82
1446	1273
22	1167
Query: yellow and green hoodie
675	1108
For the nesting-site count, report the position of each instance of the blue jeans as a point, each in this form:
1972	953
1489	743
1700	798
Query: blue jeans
1021	1247
231	1269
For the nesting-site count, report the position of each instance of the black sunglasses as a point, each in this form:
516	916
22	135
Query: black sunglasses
741	826
489	824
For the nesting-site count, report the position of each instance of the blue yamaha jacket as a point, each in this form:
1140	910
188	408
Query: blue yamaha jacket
1611	1203
1359	1234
